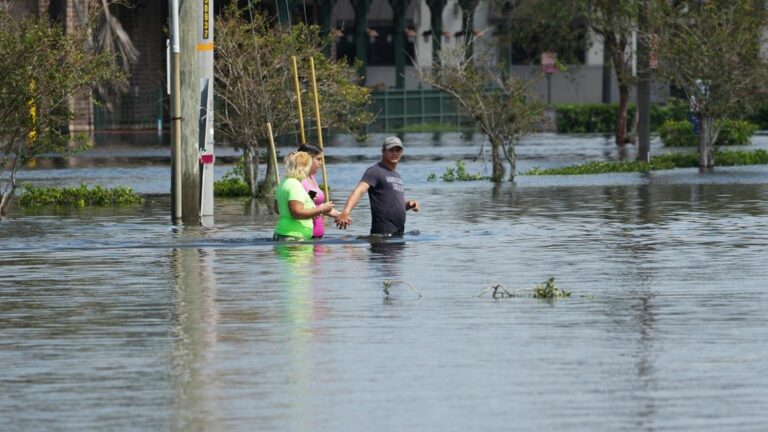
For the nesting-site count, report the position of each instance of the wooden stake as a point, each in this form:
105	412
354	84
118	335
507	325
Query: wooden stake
298	100
319	128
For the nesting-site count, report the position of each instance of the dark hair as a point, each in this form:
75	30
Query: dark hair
312	149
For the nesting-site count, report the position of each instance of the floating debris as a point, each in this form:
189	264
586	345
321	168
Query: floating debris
546	290
498	291
388	283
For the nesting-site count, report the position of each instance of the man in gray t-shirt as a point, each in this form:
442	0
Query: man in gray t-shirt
385	191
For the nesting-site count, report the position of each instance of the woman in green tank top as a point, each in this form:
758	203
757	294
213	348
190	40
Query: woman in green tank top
295	208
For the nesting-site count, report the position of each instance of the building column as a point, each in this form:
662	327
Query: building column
398	12
361	8
436	19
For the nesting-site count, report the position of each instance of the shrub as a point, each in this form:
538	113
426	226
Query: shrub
736	132
232	184
585	118
459	173
680	133
81	196
601	118
661	162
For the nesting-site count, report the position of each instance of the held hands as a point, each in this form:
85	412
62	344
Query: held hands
343	220
412	205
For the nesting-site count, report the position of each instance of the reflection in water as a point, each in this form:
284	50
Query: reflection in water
301	264
195	317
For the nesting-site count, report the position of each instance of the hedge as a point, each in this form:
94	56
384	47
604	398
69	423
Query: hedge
680	133
601	118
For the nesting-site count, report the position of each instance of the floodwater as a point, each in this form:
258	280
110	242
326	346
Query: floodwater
117	320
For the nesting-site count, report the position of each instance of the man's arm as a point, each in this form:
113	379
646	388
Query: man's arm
343	219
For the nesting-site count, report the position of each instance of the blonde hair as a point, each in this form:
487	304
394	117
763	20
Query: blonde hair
298	164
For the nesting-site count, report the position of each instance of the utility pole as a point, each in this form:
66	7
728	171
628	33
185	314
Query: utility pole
643	86
192	111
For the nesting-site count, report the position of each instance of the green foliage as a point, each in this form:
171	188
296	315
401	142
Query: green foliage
80	196
232	184
586	118
459	173
503	107
549	291
255	83
741	157
712	51
732	132
735	132
42	68
536	26
678	134
662	162
601	118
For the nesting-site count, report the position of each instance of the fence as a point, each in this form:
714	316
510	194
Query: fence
146	109
396	109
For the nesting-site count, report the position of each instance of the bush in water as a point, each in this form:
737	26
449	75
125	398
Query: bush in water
80	196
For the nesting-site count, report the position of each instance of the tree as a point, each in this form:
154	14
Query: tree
505	109
532	27
255	84
711	49
41	69
555	25
614	21
105	33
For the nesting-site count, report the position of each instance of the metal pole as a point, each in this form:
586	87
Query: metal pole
643	88
175	79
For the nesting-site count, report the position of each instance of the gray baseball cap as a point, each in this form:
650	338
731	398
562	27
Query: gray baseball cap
392	142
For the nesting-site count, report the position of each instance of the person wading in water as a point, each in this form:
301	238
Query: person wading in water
386	193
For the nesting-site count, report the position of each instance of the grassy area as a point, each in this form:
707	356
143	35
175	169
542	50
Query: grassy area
662	162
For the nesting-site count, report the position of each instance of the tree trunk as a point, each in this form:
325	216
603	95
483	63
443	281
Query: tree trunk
707	137
497	174
621	116
251	168
4	201
8	194
509	153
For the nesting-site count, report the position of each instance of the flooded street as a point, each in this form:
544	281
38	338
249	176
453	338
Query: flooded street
114	319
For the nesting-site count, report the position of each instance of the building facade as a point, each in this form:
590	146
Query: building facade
392	37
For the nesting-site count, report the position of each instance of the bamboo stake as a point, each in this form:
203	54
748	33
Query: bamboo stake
274	152
319	127
298	100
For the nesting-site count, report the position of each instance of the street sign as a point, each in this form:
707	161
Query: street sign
549	62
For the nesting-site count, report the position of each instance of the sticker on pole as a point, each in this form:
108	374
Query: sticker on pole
207	158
